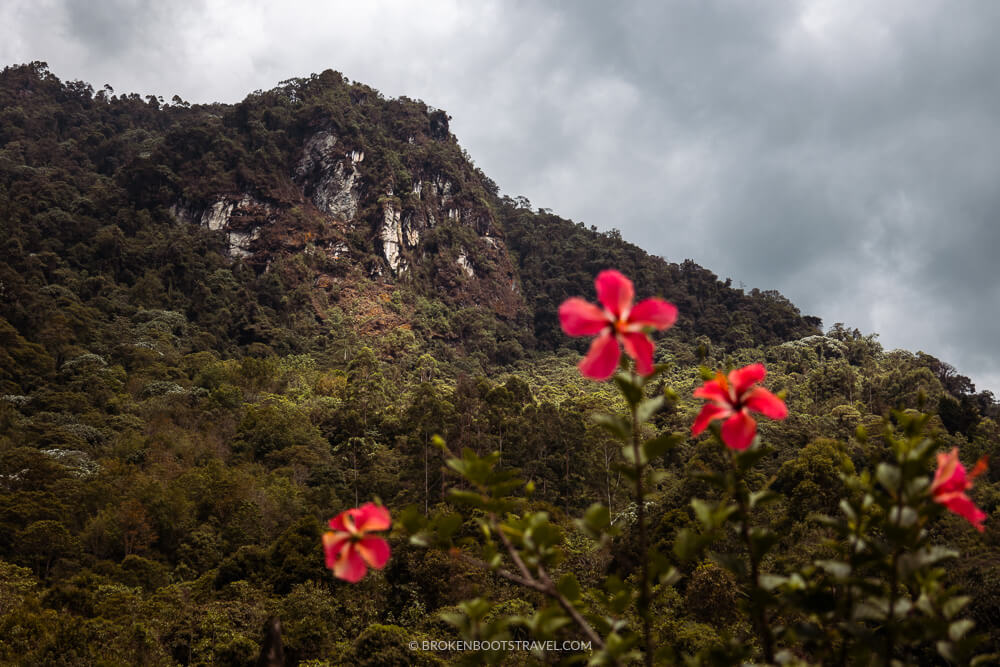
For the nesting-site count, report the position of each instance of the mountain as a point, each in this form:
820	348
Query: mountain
222	323
319	188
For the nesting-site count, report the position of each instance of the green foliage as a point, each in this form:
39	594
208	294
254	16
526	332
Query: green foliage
882	593
813	480
274	426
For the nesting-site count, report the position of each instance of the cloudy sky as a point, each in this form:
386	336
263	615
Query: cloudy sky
845	153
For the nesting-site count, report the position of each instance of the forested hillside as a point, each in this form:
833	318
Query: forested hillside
222	325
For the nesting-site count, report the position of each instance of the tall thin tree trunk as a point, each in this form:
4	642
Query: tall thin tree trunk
566	478
354	461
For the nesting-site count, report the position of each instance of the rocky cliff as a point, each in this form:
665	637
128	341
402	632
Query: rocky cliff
428	220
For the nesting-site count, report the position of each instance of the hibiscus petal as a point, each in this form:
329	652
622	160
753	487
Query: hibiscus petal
946	464
339	523
332	544
372	517
981	466
581	318
639	347
950	475
714	390
707	414
614	291
742	379
654	313
374	550
602	357
738	431
761	400
963	506
349	565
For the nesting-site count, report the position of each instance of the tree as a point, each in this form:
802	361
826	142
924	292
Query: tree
428	415
42	542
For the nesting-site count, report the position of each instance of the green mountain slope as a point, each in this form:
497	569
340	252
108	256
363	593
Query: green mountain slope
300	193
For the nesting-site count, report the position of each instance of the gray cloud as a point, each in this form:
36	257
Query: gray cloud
842	152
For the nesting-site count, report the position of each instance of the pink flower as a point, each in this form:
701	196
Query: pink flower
733	400
350	549
618	322
950	484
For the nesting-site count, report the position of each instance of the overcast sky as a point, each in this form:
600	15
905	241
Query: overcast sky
845	153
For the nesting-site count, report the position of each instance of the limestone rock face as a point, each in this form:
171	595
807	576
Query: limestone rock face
240	219
329	176
391	234
377	209
216	217
463	263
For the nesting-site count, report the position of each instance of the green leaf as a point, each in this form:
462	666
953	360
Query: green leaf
704	512
617	426
647	408
671	395
569	587
458	465
748	458
926	557
596	521
763	497
543	535
661	444
412	520
688	544
627	471
544	623
958	629
933	554
657	476
453	618
835	568
735	563
902	517
954	605
771	581
476	608
888	476
657	370
628	453
614	585
947	651
873	609
469	498
762	540
630	390
447	525
846	508
670	577
902	607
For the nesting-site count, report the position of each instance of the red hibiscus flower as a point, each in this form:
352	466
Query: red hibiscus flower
950	484
618	322
733	399
350	549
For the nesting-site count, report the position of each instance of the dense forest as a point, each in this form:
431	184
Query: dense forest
222	325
